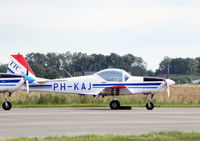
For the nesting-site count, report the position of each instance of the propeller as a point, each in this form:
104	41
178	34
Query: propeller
27	86
168	90
169	83
27	80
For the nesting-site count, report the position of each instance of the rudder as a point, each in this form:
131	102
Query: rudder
18	65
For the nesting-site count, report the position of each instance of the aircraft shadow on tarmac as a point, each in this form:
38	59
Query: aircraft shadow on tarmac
103	109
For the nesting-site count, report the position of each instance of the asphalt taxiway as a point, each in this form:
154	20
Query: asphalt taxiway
43	122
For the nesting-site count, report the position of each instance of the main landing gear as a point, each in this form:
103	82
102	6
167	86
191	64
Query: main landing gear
115	104
6	105
149	104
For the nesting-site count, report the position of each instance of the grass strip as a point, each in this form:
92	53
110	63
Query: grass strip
181	97
161	136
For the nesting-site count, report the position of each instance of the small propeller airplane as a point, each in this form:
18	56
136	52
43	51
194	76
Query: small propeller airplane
107	82
11	83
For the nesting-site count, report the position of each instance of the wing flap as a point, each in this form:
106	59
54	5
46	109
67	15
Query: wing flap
115	90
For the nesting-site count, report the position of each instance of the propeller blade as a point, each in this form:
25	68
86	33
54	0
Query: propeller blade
27	70
168	90
27	86
169	83
27	81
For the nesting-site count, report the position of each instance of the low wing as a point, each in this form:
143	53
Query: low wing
42	80
115	90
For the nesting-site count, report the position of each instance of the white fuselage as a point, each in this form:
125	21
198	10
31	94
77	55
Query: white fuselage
94	85
10	83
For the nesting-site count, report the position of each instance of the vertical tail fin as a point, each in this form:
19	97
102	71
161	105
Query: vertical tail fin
18	65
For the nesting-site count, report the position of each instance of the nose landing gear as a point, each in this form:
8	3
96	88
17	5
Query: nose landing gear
6	105
149	104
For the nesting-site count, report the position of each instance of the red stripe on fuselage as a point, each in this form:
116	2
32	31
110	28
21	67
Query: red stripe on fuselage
117	87
20	58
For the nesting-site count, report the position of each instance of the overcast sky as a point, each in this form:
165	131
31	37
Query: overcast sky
150	29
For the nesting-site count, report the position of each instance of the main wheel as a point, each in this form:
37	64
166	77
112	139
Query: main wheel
6	105
115	104
149	106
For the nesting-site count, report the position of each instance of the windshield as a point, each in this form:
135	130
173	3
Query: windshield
113	75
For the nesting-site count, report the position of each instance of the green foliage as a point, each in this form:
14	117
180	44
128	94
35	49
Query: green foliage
188	66
54	65
184	79
181	70
3	68
161	136
63	100
184	66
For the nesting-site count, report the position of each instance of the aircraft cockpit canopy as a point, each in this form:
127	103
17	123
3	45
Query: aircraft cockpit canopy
114	75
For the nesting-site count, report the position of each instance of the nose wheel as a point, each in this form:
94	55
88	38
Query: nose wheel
149	105
6	105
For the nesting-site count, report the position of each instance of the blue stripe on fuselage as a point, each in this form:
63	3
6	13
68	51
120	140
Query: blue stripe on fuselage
131	87
7	84
128	84
9	81
142	87
40	86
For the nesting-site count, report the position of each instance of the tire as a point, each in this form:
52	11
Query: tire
115	104
7	105
149	106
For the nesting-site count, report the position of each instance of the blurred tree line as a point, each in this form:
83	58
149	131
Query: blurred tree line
181	70
181	66
54	65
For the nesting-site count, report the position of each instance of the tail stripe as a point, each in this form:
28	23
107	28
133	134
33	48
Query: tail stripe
10	71
22	61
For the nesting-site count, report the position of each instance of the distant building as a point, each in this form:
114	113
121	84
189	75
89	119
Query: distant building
196	82
174	75
88	73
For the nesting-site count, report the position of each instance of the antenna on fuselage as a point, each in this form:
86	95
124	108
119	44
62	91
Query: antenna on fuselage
168	71
67	72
